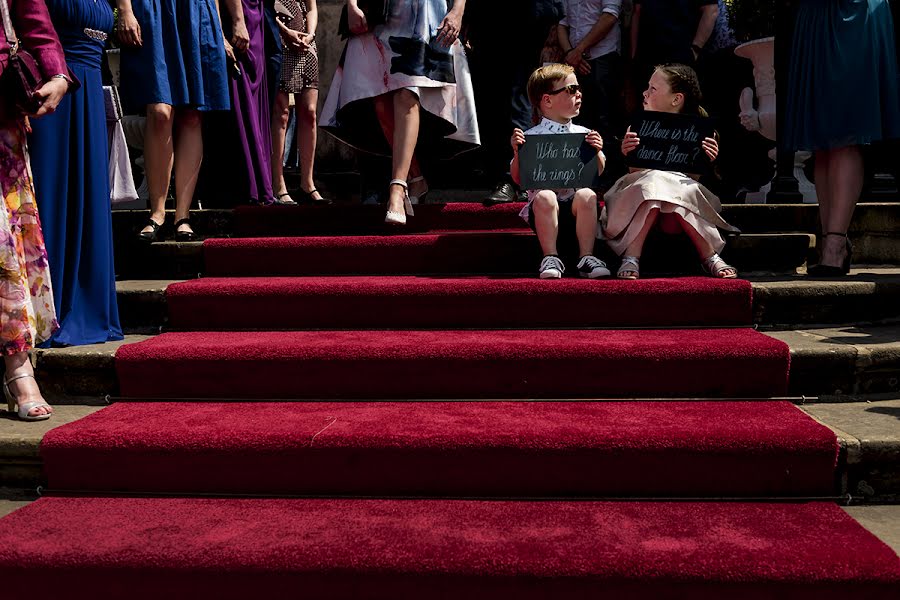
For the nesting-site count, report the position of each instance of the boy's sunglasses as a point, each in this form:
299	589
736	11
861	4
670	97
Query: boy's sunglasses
572	88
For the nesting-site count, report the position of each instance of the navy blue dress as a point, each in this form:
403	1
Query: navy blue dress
182	59
843	85
69	160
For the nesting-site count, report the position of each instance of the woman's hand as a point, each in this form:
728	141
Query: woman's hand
595	141
306	40
448	30
711	147
229	51
293	38
517	139
356	19
50	95
240	37
630	141
129	30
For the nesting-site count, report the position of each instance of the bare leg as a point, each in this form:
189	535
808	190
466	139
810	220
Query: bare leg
25	389
384	110
158	158
584	207
305	105
704	248
546	220
845	182
823	191
406	134
636	247
280	113
188	156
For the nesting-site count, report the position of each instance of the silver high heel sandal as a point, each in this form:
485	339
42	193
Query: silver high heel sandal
24	409
393	217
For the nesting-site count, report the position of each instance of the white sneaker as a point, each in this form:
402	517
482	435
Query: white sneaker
592	267
552	267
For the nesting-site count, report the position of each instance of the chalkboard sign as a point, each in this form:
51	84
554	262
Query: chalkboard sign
671	142
556	161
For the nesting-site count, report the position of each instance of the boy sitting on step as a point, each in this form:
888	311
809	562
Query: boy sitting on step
556	98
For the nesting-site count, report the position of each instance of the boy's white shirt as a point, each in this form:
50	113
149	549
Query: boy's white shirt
545	127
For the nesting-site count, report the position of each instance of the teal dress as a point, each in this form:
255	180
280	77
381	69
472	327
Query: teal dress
844	82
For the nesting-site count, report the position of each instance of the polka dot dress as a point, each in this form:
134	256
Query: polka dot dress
299	68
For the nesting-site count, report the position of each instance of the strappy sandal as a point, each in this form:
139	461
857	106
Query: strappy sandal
288	202
393	217
715	267
23	409
308	197
821	270
150	236
630	264
184	236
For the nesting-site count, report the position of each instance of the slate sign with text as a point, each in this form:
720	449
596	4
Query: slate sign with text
555	161
671	142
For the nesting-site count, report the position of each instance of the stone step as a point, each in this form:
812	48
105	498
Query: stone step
869	218
838	364
868	465
770	253
870	296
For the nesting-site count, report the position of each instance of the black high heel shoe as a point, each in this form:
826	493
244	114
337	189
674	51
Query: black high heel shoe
184	236
307	197
148	237
821	270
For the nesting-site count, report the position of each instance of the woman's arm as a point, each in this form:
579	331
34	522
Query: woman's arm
312	17
448	30
31	20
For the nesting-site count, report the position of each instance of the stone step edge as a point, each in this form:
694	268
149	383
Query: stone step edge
836	364
778	302
868	467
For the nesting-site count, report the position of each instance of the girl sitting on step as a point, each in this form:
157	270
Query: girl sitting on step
676	201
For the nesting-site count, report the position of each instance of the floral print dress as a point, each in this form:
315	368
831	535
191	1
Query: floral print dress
27	314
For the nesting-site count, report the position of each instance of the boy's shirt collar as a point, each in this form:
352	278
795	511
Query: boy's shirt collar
550	126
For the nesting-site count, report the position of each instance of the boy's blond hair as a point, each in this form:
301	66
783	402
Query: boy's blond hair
542	81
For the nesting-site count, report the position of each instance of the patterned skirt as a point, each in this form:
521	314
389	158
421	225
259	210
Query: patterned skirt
299	68
27	313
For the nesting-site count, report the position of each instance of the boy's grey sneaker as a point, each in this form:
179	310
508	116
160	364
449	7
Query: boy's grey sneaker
552	267
592	267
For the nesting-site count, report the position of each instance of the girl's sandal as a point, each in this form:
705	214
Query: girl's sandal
630	264
716	267
23	409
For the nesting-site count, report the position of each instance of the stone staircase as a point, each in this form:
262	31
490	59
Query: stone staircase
844	336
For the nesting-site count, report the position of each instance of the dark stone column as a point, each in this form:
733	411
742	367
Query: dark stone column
785	188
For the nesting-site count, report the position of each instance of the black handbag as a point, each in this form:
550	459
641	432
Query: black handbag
22	77
376	12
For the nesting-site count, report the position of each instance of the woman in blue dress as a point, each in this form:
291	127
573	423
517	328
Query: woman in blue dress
69	158
842	94
173	65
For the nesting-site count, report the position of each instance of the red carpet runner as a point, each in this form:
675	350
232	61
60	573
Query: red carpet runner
335	549
447	302
456	364
447	448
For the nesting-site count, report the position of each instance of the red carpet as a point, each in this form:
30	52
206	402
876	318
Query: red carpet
503	449
215	548
413	302
482	253
366	220
455	364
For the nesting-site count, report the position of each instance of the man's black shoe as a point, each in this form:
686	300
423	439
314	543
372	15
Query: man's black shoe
504	192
